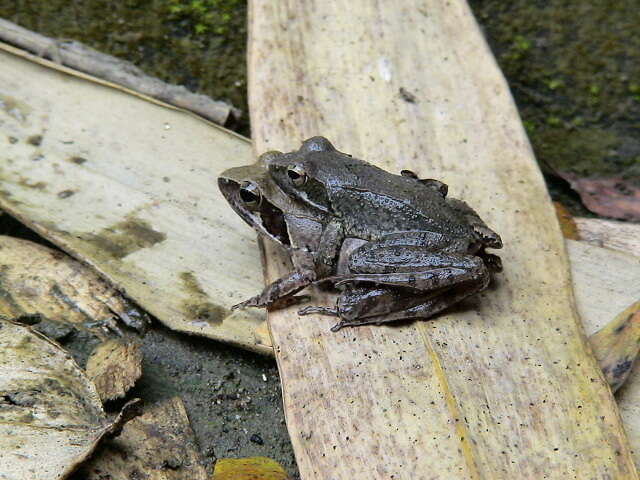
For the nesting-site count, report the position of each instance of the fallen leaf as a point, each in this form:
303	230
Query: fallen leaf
45	286
611	197
253	468
616	345
114	366
51	417
159	445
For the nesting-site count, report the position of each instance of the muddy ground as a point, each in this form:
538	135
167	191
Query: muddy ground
573	67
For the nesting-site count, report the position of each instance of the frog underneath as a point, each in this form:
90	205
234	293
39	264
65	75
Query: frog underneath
394	245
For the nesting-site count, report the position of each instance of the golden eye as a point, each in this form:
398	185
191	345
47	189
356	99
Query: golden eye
250	195
297	175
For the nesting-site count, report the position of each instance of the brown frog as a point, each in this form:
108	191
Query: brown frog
394	245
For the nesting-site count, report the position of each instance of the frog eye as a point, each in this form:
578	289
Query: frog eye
250	195
297	175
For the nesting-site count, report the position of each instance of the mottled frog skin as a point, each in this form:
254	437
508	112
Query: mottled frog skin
394	245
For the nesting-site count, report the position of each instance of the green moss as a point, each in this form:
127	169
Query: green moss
197	43
574	69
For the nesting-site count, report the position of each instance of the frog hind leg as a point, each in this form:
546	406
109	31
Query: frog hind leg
416	307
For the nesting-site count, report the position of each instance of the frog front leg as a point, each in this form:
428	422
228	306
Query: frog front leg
284	287
280	289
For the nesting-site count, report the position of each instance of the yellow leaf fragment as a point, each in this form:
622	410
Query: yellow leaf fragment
567	223
158	445
616	345
253	468
114	366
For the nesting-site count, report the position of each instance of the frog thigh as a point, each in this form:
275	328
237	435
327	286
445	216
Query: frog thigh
422	280
359	302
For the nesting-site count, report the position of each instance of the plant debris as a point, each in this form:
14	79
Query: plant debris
158	445
114	366
616	345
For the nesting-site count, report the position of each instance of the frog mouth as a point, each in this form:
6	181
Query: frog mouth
267	219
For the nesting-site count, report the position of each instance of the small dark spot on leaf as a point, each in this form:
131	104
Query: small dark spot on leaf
78	160
198	305
65	193
13	140
34	185
166	179
622	368
124	238
35	140
407	96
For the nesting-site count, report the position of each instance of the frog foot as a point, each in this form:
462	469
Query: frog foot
252	302
319	310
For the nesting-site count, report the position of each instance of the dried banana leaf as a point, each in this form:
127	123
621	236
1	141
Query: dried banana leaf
129	187
503	388
51	417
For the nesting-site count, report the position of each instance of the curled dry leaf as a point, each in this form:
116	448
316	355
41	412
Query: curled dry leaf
159	445
45	285
616	345
114	366
253	468
51	417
